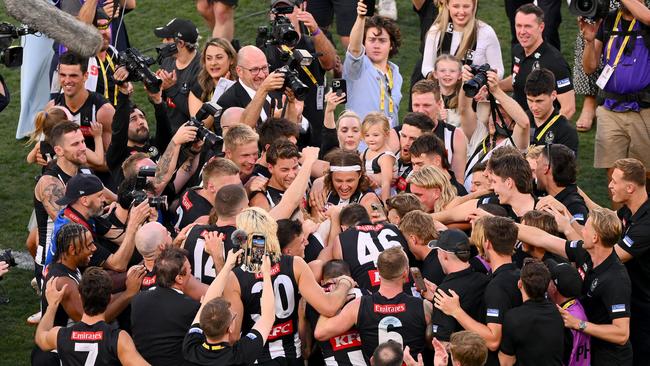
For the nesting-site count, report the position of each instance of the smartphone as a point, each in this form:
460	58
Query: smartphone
258	249
419	281
370	6
339	87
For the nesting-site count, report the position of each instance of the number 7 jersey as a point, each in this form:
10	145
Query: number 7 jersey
88	345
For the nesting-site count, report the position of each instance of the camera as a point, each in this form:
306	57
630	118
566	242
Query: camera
12	56
280	32
590	10
292	81
202	133
8	258
139	193
165	50
472	86
137	65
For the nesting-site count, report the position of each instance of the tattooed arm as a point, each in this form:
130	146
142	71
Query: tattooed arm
48	190
167	163
186	171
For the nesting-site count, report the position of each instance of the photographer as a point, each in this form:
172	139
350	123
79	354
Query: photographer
315	42
622	43
178	72
131	129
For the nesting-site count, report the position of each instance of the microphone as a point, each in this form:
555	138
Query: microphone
74	34
239	238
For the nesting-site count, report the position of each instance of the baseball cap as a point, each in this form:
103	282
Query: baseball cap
78	186
182	29
453	241
101	14
565	277
275	3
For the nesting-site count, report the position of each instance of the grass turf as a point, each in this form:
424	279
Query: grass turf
17	179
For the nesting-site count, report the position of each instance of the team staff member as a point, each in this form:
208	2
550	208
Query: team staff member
606	289
92	338
419	230
532	53
501	293
389	313
533	333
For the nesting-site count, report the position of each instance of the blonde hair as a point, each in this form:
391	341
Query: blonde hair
432	177
420	224
44	122
453	102
239	134
375	119
347	114
255	220
477	238
469	34
534	151
607	225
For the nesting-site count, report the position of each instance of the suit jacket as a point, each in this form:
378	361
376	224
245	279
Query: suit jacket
236	96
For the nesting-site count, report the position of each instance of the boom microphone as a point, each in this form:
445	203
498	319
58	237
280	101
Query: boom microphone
74	34
239	238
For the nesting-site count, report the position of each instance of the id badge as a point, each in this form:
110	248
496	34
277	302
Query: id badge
320	97
604	76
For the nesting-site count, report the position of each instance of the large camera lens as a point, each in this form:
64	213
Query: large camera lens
584	5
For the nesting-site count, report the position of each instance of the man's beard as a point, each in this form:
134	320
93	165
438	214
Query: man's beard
139	137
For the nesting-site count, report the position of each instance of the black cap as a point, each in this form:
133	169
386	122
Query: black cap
275	3
78	186
453	241
101	14
182	29
566	278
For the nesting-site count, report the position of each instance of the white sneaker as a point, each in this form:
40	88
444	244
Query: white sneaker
34	284
387	9
34	319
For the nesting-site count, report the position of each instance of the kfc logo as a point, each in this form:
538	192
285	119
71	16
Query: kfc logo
375	280
347	340
281	330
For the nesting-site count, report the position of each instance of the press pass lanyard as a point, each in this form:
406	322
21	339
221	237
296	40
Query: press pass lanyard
548	125
388	77
625	40
105	77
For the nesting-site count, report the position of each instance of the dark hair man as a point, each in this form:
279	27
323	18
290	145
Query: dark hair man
532	53
75	246
85	106
413	126
501	293
425	98
453	251
533	333
178	72
208	340
360	244
158	335
624	103
83	203
556	172
199	201
388	313
271	130
90	340
429	150
606	290
230	201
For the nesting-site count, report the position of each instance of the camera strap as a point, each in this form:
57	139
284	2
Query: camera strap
75	217
388	79
494	111
105	77
311	76
625	40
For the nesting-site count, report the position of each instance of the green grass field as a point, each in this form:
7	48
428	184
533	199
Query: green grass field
17	179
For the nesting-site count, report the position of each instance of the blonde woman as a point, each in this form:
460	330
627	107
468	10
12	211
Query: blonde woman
433	188
457	32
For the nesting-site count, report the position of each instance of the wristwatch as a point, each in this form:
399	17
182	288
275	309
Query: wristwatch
582	325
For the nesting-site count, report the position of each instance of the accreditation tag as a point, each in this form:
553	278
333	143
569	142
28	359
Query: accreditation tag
320	96
604	76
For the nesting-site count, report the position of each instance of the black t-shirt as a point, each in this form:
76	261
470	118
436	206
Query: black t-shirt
534	333
636	241
200	261
427	14
545	56
606	292
554	131
361	246
178	94
492	198
431	268
470	287
160	318
197	351
82	344
574	202
501	295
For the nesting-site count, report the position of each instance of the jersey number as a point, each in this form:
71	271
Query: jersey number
208	269
368	250
92	350
385	335
284	300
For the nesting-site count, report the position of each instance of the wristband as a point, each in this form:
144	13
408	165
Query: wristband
316	32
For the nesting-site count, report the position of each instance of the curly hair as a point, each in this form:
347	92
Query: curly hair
339	157
390	26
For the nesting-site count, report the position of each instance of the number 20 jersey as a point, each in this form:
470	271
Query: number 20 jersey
283	341
361	246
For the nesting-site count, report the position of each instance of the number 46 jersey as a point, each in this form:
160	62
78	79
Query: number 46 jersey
83	344
361	246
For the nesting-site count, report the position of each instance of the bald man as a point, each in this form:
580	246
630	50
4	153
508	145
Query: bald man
230	117
252	90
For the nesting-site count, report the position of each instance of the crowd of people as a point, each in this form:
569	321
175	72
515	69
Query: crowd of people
260	226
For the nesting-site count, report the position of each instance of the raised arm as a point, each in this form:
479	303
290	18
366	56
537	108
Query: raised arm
167	162
267	304
293	195
327	328
539	238
46	333
521	132
356	34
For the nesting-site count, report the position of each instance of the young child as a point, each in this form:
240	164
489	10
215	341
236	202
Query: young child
378	159
447	72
